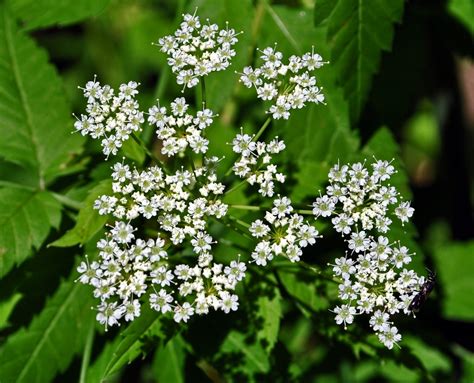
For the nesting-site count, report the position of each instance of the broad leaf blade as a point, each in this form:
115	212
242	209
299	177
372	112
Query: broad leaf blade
35	122
47	346
357	32
168	365
46	13
26	218
455	267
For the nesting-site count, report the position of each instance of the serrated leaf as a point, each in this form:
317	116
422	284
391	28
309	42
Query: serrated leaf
269	309
47	13
26	217
254	357
89	221
35	122
146	330
47	346
169	360
455	268
357	33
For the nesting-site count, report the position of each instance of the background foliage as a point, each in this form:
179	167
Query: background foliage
398	86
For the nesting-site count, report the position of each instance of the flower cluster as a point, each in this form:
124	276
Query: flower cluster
180	129
373	274
111	118
196	50
129	267
367	200
284	234
255	164
288	86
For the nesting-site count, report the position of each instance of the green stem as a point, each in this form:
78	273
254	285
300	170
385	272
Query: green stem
258	208
262	129
234	188
86	356
148	152
203	92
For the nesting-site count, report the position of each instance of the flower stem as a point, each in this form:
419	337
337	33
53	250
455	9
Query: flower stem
262	129
86	356
148	152
258	208
239	185
203	92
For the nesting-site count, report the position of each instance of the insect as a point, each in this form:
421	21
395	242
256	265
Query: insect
425	290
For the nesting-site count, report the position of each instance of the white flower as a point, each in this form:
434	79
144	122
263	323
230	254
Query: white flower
404	211
109	314
183	313
288	86
345	314
389	337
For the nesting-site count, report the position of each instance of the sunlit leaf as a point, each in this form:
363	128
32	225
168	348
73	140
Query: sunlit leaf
26	218
47	13
35	121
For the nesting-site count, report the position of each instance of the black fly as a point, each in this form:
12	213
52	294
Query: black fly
425	290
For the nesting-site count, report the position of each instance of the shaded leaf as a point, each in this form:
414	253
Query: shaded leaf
26	217
146	330
47	13
269	309
357	33
255	359
89	221
168	364
455	268
35	122
47	346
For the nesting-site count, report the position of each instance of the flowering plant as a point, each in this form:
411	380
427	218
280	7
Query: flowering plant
180	194
233	201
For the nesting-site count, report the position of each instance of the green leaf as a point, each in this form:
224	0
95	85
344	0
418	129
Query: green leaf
357	33
269	310
455	268
89	221
463	10
240	15
145	331
26	217
35	122
306	293
431	358
169	361
131	149
6	308
323	138
322	10
254	357
47	346
47	13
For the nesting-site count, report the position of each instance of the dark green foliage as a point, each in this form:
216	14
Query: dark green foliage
283	330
